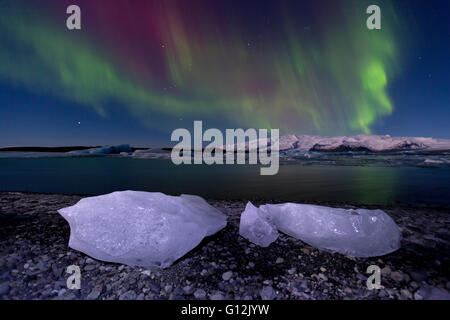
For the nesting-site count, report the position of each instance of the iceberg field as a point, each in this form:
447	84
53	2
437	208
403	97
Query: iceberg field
359	150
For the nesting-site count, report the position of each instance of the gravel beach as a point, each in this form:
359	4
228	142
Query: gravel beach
34	255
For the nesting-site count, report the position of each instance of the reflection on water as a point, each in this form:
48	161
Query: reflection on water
351	184
375	184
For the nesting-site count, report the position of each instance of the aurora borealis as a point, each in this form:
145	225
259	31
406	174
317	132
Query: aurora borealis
301	66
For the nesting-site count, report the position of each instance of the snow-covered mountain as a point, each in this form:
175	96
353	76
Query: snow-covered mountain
371	143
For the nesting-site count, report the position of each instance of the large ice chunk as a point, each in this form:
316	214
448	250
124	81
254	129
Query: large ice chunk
140	228
359	233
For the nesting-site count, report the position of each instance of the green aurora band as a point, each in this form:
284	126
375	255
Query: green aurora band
331	79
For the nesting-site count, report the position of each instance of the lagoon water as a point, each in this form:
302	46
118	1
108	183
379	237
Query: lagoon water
309	183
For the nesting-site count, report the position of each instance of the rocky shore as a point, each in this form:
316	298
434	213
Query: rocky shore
34	256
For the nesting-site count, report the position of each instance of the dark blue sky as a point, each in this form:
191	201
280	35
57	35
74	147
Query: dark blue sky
420	95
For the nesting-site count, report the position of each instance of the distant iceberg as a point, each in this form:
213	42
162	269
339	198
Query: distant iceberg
151	154
120	149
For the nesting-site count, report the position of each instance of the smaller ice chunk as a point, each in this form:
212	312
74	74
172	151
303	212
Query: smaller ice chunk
358	233
257	227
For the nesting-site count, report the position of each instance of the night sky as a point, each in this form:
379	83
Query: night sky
139	69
